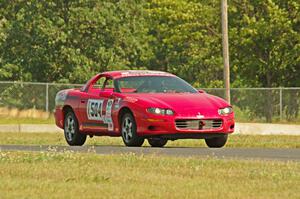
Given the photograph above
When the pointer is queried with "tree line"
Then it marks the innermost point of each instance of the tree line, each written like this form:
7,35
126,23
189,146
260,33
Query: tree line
68,41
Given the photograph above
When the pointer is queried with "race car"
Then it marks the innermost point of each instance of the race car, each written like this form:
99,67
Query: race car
139,105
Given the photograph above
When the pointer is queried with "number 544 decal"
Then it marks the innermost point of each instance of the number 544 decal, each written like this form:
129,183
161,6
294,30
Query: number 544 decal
94,109
94,112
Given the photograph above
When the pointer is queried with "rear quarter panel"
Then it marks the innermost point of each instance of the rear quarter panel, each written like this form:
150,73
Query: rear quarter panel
66,98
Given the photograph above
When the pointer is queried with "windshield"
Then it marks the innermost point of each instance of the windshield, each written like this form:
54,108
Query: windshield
153,84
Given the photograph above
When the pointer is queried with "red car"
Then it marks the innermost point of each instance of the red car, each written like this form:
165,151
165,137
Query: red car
139,105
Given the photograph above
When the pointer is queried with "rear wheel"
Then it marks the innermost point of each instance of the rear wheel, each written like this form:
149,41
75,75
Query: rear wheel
216,142
157,142
129,132
71,130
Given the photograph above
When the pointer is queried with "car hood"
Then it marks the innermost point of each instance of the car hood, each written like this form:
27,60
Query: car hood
184,104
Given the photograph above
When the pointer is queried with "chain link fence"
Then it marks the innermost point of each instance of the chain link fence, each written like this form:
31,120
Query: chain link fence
263,104
250,104
28,95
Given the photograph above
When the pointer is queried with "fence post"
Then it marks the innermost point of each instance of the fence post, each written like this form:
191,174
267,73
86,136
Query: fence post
47,97
280,101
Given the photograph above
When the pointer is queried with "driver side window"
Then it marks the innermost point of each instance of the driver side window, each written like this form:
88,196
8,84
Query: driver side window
108,84
102,84
99,83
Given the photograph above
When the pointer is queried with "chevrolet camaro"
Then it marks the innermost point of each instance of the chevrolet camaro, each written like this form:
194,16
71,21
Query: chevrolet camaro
139,105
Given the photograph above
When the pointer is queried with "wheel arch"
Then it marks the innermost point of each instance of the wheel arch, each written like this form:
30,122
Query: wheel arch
122,112
66,109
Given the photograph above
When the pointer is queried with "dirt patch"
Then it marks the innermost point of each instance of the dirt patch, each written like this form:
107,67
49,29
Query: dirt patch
28,113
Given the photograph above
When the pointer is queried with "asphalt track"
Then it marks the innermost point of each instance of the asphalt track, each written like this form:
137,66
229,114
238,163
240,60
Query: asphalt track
224,153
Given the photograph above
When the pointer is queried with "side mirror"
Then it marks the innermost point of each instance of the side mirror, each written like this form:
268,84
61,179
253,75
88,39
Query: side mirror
201,91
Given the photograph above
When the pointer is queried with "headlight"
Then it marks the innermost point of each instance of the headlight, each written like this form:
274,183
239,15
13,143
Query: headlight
225,111
160,111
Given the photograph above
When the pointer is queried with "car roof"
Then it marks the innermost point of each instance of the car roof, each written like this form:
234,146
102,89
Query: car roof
134,73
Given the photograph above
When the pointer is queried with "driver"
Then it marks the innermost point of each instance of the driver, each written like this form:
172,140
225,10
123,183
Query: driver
151,86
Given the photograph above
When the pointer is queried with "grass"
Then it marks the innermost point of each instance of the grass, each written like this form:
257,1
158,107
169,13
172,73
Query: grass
72,175
256,141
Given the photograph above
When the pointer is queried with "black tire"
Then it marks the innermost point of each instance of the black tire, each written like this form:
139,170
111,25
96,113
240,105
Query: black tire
157,142
216,142
71,130
129,132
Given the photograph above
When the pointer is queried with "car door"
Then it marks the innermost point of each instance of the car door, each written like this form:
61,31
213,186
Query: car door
92,107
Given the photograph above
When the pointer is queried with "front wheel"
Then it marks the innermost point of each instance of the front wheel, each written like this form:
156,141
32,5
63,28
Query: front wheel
129,132
71,130
157,142
216,142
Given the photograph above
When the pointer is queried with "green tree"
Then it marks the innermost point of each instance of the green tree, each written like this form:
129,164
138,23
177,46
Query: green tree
265,47
70,40
187,40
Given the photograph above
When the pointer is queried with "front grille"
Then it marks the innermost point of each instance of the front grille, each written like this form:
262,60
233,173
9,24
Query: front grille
198,124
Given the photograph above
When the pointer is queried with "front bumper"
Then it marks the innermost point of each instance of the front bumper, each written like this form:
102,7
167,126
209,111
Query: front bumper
148,127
